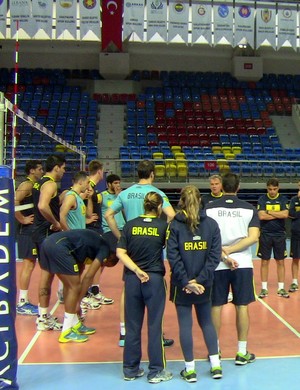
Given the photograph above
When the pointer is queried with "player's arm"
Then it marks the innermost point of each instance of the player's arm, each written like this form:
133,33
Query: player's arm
47,191
252,238
88,277
130,264
22,191
68,204
265,215
110,219
283,214
169,212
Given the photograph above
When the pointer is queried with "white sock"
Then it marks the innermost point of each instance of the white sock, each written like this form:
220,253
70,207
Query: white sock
264,285
43,311
69,321
60,285
122,328
190,366
214,361
242,347
295,281
23,296
280,285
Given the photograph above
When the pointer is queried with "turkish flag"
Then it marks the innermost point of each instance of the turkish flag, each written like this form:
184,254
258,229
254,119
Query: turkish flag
112,11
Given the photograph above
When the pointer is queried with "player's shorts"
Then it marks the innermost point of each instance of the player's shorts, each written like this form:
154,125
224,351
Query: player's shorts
111,240
267,243
26,247
295,247
242,285
56,258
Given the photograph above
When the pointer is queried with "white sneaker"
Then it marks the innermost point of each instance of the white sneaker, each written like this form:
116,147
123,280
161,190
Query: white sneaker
90,302
48,323
102,299
230,297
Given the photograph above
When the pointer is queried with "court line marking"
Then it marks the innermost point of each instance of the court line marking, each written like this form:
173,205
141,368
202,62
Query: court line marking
281,319
34,339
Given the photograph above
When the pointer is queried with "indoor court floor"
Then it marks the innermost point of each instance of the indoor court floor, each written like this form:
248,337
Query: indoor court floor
274,338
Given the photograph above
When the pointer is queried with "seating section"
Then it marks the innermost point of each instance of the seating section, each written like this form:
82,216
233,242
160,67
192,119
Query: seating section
212,117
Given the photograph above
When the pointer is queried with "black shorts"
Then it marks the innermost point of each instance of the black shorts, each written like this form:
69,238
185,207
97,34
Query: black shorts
241,283
111,240
56,259
267,243
295,248
26,247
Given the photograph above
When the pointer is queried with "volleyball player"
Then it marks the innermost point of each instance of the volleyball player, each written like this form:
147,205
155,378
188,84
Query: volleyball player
294,214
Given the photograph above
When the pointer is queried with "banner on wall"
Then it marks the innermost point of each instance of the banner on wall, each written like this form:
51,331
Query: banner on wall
66,17
287,25
42,13
178,20
244,23
156,19
223,22
201,22
89,11
133,19
266,24
20,11
111,32
3,12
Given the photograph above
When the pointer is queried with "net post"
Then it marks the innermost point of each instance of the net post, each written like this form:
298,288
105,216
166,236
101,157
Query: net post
2,110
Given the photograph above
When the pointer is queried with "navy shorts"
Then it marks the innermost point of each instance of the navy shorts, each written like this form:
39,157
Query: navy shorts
111,240
56,259
267,243
295,247
241,283
26,247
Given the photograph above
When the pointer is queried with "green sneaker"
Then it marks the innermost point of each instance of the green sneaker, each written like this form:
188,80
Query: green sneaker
282,293
293,287
241,360
69,336
82,329
189,376
263,294
216,372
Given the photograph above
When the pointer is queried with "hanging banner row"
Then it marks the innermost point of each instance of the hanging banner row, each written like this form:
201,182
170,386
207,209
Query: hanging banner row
188,21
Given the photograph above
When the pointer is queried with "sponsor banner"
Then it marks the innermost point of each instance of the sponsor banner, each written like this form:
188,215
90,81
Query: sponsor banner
287,25
223,21
244,23
178,20
20,11
112,20
8,340
66,17
3,12
201,22
42,13
156,19
265,24
89,11
133,19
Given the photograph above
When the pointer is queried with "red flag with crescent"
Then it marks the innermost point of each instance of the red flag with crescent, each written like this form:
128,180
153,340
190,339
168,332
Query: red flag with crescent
112,11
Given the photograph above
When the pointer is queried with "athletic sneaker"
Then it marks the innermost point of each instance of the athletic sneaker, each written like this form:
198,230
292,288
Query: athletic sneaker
122,340
263,293
70,336
168,342
82,329
89,302
282,293
229,297
293,287
102,299
27,308
241,360
139,374
189,376
60,296
161,376
48,323
216,372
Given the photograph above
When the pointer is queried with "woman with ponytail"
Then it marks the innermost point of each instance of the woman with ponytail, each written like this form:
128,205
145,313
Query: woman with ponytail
194,251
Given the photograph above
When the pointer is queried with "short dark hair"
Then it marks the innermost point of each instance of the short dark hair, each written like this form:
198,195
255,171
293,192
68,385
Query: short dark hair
79,176
273,181
144,169
230,182
53,160
111,178
32,164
